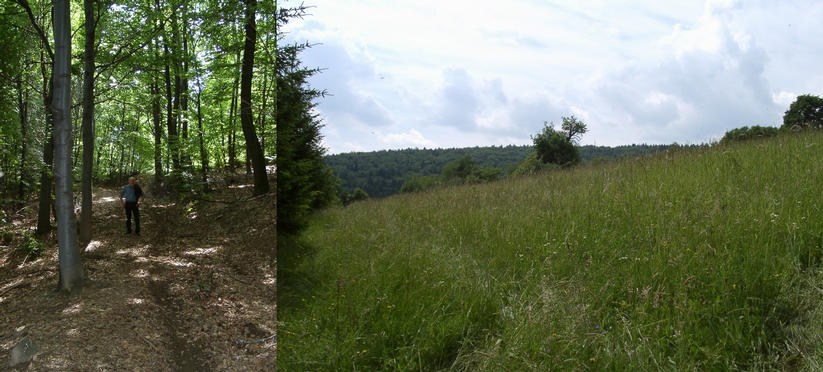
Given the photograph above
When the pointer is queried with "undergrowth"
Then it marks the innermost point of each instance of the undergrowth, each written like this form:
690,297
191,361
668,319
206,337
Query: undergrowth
700,259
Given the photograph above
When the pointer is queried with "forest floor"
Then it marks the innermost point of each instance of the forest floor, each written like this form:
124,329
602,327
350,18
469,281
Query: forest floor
195,291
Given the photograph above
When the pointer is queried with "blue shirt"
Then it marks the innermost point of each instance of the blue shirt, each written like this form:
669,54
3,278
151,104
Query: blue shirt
129,192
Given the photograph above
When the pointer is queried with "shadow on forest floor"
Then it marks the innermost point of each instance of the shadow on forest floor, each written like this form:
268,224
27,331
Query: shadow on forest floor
194,291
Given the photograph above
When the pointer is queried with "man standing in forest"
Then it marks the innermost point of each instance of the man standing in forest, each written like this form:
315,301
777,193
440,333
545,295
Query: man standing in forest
134,196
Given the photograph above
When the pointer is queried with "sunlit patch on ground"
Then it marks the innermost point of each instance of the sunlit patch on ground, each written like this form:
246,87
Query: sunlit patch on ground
72,332
193,215
170,261
106,199
229,307
93,245
201,251
139,273
269,279
136,301
163,205
134,252
239,186
74,309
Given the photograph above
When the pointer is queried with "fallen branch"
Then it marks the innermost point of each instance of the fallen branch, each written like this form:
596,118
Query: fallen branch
18,285
248,342
147,341
232,276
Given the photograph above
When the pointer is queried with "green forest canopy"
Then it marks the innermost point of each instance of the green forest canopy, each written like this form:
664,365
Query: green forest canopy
167,80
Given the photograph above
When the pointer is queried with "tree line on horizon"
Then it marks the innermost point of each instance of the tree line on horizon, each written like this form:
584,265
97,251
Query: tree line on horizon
383,173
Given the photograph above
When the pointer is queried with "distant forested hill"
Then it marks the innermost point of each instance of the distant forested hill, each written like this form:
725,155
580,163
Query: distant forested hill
381,173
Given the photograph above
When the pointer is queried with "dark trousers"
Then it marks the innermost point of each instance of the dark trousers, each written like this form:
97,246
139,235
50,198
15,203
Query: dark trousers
131,207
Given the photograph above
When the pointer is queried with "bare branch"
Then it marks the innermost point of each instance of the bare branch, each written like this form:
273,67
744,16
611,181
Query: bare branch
40,33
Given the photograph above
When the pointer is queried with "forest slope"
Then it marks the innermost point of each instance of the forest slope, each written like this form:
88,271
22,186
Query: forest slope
697,259
194,292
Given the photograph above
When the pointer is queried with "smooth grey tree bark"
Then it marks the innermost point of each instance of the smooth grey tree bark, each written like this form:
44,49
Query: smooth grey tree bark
71,269
88,124
204,157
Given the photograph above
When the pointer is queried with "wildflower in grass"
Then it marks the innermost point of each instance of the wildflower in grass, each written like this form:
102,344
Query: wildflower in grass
592,360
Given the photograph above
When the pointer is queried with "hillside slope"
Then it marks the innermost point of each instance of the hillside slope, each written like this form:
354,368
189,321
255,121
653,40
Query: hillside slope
701,259
381,173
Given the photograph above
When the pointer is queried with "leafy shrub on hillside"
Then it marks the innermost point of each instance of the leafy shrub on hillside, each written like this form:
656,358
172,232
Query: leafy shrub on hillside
532,165
461,171
746,133
359,194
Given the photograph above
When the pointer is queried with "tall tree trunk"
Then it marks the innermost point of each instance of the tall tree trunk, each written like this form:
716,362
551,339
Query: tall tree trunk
253,151
158,132
71,269
204,157
75,146
111,168
23,108
171,116
232,117
99,155
179,151
184,95
221,159
88,124
121,167
44,197
262,127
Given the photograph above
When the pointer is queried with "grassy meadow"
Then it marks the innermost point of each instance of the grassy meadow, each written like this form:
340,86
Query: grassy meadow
705,259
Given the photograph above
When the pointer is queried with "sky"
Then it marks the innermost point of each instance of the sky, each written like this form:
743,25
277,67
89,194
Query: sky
441,74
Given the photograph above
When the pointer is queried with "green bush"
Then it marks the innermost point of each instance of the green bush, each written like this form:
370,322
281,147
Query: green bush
532,165
746,133
32,247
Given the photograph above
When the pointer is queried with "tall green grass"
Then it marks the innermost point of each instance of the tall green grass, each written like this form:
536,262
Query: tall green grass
704,259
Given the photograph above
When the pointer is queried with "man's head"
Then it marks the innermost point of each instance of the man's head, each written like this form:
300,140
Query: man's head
131,181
